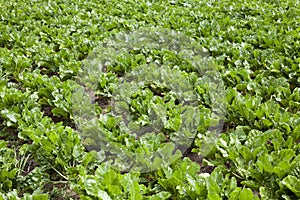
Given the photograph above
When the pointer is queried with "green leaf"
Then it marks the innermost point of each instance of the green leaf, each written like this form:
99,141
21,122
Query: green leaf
234,195
246,194
292,183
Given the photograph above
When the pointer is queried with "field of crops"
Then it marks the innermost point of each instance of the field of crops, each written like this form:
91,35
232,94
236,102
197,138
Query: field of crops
254,46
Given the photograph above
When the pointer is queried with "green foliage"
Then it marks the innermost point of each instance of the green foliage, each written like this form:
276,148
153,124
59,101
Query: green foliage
255,45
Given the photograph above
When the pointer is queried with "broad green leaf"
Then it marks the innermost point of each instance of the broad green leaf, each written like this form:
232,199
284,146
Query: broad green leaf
292,183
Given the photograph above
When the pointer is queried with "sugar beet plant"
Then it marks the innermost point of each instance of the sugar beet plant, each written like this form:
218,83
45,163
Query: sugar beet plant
254,48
